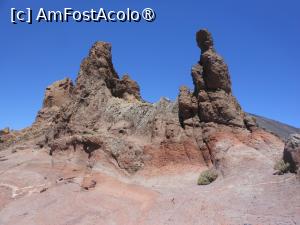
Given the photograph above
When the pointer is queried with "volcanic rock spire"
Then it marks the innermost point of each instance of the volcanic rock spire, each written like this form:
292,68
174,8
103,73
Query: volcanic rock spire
212,99
215,70
97,72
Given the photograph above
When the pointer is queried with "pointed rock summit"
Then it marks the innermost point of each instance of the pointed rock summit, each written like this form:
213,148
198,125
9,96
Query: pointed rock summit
97,72
214,69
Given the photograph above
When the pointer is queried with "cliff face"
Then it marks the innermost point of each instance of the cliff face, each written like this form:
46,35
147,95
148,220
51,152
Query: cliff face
104,115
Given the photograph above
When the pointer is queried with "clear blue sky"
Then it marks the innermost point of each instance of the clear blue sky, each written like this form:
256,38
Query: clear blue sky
259,39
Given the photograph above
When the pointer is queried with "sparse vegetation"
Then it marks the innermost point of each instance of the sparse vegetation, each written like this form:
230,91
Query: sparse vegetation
207,177
281,167
87,132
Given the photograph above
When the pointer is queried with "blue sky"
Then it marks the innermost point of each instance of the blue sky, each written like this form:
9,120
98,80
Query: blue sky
260,41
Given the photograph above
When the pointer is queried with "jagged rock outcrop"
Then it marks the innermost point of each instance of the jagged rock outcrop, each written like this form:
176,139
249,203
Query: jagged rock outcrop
212,99
291,152
97,72
90,135
104,115
103,109
56,95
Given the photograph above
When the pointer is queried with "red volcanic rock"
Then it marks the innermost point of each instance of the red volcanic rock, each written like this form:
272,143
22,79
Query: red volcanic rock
166,153
97,72
140,161
58,93
105,118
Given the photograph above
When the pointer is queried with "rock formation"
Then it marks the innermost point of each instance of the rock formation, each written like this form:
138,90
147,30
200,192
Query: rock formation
126,161
291,152
56,95
212,99
105,116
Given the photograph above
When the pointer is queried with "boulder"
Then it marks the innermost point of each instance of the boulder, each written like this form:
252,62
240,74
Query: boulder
291,152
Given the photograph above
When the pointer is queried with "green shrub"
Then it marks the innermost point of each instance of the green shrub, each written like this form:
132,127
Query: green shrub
282,167
207,177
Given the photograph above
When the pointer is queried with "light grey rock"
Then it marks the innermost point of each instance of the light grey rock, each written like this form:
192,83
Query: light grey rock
291,152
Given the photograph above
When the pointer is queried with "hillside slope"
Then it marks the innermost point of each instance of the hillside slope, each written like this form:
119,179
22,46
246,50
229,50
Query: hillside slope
280,129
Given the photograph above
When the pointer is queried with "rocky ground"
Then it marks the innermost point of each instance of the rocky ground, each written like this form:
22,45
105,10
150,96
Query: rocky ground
99,154
40,189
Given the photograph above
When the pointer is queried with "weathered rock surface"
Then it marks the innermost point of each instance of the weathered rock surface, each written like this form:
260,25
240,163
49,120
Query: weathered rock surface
214,69
104,115
97,141
56,95
291,152
212,99
36,188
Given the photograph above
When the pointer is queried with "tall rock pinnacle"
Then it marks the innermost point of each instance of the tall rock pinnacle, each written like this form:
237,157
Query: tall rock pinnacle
215,70
96,68
212,89
98,73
